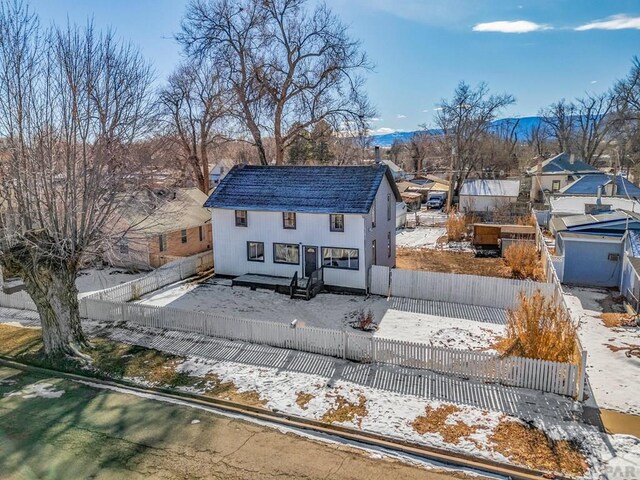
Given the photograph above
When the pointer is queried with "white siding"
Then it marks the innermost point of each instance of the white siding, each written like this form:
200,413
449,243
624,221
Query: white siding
484,203
312,229
383,227
230,244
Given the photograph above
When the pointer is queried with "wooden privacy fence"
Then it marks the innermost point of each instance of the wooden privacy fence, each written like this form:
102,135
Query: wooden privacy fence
166,275
554,377
20,300
453,288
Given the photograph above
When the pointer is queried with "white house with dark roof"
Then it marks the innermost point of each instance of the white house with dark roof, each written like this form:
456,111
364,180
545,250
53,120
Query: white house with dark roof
279,221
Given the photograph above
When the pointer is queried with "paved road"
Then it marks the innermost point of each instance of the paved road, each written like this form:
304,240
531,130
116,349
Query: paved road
56,429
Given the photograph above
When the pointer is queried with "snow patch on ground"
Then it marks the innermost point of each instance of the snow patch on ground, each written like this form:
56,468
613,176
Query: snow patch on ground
420,237
37,390
392,414
93,279
218,297
451,333
612,375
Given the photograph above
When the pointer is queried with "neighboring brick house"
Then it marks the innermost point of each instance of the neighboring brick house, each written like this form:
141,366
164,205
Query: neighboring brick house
179,226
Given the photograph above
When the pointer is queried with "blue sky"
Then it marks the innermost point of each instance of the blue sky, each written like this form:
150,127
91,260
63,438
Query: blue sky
538,50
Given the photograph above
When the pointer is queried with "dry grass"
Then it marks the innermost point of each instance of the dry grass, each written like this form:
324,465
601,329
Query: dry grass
614,319
118,360
528,220
450,262
347,411
17,341
456,226
538,328
522,258
435,421
531,447
303,399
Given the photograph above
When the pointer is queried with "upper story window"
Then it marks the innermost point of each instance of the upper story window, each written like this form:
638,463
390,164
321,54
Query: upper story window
201,232
289,220
336,222
183,236
389,244
373,214
162,242
241,218
389,207
555,186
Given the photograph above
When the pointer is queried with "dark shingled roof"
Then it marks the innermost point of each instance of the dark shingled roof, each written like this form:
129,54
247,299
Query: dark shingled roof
326,189
588,185
562,163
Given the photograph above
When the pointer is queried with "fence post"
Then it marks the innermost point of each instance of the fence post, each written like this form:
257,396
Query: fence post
345,341
582,376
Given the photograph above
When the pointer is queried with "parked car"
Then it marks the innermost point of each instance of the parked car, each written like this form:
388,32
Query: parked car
435,202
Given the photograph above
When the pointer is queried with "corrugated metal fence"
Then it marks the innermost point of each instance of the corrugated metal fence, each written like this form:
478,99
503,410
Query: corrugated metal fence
453,288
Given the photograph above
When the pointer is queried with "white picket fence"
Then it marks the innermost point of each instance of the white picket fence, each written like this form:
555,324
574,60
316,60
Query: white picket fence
165,275
453,288
541,375
111,305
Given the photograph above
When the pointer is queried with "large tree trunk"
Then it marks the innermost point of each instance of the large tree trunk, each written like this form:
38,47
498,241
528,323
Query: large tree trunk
56,297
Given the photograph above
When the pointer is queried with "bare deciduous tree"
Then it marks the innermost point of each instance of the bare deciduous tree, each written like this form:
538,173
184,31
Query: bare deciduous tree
289,66
465,121
71,103
582,127
194,105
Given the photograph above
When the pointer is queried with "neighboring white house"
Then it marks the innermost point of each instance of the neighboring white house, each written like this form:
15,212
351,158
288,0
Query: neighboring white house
279,220
488,195
219,170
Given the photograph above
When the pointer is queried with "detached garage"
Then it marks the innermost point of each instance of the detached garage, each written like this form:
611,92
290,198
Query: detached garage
488,195
590,260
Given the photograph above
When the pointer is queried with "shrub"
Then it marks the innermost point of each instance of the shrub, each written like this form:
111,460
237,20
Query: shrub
528,220
539,328
456,226
364,321
522,259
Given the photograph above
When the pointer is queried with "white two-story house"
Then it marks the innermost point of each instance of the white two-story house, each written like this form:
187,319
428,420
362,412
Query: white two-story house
279,220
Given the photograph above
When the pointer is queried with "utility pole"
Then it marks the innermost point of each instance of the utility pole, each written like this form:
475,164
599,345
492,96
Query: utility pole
450,194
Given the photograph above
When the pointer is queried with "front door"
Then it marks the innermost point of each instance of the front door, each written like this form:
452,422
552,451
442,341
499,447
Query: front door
310,260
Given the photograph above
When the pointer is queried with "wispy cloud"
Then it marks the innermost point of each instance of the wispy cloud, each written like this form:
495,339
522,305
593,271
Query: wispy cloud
615,22
593,82
376,119
515,26
401,116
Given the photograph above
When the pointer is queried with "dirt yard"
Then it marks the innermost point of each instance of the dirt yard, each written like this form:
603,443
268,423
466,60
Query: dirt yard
451,262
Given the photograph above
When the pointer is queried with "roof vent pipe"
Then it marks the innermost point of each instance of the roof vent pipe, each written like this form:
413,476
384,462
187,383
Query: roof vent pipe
572,159
377,149
599,199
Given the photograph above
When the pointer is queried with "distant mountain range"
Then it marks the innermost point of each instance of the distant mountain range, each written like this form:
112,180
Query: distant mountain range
523,130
